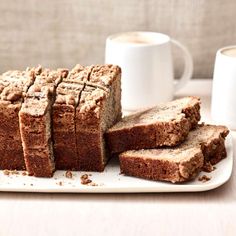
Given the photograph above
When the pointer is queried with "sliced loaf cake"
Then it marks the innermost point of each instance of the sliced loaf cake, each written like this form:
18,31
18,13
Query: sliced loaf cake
13,86
181,163
163,125
35,123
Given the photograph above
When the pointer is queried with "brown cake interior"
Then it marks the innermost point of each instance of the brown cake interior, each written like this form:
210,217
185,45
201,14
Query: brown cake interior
35,124
13,85
164,125
64,133
181,163
70,115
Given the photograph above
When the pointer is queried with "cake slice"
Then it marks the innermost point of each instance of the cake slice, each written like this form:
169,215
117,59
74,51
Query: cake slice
91,122
64,131
35,123
181,163
109,77
106,77
164,125
99,108
13,86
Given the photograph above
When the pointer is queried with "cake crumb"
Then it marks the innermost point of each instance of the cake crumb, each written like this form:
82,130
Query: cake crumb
92,184
208,167
69,174
85,179
10,172
24,173
15,172
204,178
6,172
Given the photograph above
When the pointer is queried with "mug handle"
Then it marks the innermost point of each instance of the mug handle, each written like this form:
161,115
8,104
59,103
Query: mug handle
188,68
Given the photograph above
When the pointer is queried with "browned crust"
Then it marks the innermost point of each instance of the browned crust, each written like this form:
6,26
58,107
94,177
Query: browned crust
11,152
154,135
37,146
211,151
38,164
214,151
192,113
12,159
64,137
12,94
91,151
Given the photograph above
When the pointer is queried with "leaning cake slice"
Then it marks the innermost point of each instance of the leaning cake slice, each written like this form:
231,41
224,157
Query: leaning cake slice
181,163
164,125
35,123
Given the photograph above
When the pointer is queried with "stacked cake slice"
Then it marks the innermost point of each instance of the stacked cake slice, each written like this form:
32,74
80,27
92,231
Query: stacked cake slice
180,163
166,142
163,125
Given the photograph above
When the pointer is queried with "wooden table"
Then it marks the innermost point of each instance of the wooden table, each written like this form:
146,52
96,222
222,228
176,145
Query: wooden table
206,213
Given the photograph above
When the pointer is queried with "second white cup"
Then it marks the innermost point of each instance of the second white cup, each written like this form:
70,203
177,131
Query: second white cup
147,71
224,85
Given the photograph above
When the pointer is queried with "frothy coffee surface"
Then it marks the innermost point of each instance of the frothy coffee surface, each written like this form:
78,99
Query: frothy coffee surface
135,38
230,52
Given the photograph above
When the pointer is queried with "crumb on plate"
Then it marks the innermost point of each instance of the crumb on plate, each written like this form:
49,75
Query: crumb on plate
69,174
204,178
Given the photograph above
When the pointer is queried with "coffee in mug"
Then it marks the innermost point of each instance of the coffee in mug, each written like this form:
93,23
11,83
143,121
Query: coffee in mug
135,38
230,52
145,59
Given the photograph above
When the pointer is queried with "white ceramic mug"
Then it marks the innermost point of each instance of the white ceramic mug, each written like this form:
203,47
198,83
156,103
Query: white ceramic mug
147,71
223,108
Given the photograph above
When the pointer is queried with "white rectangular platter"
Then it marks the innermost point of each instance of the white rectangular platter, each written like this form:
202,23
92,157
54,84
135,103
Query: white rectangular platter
111,181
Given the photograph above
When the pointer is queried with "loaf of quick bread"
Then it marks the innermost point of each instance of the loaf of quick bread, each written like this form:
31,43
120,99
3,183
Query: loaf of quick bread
57,119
